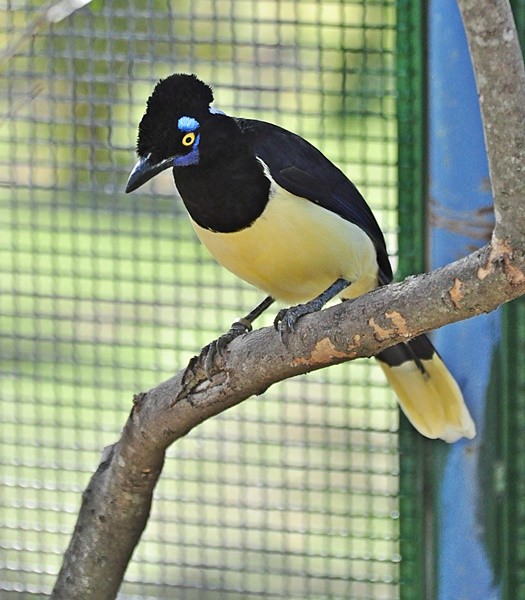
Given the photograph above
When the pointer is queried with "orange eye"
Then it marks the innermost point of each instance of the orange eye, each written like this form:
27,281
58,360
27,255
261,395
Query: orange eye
188,139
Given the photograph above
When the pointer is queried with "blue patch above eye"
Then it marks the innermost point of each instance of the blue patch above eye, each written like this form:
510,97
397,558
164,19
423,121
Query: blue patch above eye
187,124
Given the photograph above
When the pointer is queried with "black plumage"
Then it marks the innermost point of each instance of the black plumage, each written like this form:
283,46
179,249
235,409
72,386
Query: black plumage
303,170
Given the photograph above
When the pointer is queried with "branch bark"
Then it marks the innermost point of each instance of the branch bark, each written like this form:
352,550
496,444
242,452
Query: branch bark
116,504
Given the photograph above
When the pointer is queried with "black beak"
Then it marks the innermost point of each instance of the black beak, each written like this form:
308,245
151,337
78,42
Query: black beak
144,170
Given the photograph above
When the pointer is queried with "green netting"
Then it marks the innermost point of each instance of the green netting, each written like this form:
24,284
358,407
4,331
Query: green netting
411,80
291,495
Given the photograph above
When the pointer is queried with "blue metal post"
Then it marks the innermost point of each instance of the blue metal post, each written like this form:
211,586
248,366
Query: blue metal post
460,202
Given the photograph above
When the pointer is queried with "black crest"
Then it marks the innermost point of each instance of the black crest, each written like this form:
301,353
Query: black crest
176,96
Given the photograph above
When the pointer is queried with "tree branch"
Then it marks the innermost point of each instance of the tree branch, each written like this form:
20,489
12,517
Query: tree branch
117,501
500,78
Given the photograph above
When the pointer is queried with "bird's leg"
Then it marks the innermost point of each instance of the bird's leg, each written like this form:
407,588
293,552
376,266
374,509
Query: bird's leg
286,318
239,327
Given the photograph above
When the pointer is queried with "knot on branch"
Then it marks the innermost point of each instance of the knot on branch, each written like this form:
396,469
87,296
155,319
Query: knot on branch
504,258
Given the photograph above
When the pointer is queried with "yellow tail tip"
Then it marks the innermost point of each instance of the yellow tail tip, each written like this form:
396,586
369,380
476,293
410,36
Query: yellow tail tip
433,403
452,433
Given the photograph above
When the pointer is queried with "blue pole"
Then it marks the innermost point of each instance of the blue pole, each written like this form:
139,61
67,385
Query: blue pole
460,202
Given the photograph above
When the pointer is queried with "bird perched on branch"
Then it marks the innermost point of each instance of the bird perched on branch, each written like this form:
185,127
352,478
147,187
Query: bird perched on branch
277,213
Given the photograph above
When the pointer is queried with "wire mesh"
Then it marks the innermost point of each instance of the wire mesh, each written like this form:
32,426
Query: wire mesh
290,495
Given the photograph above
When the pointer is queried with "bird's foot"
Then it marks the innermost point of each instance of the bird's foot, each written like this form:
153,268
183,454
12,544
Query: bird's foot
213,354
286,318
210,360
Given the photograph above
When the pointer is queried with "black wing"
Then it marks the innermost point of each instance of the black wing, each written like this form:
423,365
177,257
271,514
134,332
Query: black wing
301,169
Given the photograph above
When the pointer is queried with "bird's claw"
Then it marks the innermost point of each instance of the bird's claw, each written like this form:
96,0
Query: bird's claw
208,362
214,353
287,318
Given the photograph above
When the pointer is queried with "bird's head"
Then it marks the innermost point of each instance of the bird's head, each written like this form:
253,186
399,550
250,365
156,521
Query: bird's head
170,130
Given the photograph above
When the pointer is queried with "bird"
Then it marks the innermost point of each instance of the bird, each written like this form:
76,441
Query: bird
275,211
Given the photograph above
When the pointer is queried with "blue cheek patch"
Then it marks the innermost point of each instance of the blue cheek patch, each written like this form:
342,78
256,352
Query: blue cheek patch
187,124
192,158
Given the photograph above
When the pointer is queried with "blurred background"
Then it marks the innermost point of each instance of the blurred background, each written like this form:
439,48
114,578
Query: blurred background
294,494
290,495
